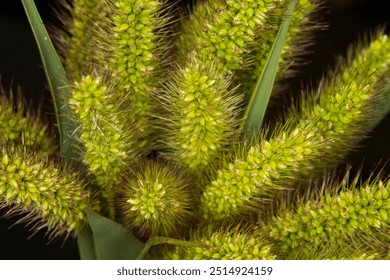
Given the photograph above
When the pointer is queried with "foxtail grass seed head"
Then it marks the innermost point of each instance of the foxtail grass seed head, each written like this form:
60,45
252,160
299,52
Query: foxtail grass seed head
106,135
101,132
18,126
223,30
201,114
325,130
34,186
223,243
296,41
154,108
81,46
157,199
137,56
334,218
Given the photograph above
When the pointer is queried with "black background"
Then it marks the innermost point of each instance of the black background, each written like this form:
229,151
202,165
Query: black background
20,65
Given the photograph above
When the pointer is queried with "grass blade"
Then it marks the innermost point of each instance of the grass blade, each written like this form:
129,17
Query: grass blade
112,242
86,244
258,103
57,80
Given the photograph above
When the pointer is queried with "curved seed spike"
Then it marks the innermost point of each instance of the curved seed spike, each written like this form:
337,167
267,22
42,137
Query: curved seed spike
107,137
315,138
18,126
335,219
80,48
137,56
224,243
223,31
52,198
201,115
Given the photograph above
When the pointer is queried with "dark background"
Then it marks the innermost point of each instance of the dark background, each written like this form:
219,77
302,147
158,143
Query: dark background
20,65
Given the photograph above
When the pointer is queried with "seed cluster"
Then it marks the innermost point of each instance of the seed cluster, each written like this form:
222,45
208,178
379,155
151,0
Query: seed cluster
17,126
203,114
101,131
53,198
320,137
224,243
223,30
333,218
156,200
136,58
165,154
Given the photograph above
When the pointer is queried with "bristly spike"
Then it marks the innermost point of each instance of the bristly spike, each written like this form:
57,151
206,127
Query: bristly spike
223,31
137,46
157,199
355,213
106,136
19,125
224,242
296,41
81,47
317,137
32,184
202,114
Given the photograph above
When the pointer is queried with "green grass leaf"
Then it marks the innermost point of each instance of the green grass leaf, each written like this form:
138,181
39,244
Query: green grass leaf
86,244
58,83
112,241
258,102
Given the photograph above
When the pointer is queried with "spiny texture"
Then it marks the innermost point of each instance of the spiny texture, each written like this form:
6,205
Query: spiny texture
115,59
135,58
30,183
223,30
157,199
202,115
202,111
224,243
127,38
334,218
296,39
105,135
17,126
325,130
79,49
101,132
353,250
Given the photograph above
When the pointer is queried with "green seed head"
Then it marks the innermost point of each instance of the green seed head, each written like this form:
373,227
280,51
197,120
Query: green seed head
296,42
317,137
157,199
335,218
104,135
18,126
202,114
224,243
223,30
31,184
